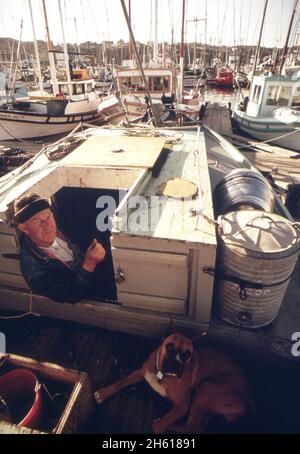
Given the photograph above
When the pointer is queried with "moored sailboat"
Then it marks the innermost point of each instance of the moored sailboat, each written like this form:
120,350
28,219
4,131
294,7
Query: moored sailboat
71,101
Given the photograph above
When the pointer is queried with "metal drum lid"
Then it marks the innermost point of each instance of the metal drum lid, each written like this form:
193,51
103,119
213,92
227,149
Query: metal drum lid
259,234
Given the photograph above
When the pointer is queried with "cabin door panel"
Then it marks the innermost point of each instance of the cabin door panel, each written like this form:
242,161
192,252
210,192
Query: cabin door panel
151,273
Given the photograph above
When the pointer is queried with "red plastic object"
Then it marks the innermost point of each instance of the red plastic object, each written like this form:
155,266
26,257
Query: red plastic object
21,390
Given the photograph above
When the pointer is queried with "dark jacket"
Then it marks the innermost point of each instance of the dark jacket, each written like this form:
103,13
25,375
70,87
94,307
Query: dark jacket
51,277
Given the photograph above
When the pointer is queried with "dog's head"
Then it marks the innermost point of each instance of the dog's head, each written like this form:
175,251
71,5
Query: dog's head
174,353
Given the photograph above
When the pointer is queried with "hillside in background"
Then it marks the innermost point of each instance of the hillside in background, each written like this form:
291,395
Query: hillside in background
105,52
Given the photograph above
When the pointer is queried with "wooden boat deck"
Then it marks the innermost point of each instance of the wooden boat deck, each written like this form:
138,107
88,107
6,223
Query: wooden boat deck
109,355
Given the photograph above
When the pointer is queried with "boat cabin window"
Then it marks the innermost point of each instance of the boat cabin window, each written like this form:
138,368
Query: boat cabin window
135,84
256,94
296,97
278,96
78,89
89,88
159,83
131,84
63,88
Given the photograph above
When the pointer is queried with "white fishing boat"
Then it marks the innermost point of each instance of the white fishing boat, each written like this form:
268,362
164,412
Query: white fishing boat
130,104
260,115
72,100
46,115
165,189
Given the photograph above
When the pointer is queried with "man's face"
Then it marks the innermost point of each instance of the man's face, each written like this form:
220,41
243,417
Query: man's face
40,228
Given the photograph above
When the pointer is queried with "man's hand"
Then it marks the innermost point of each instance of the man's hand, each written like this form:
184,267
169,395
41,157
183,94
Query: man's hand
95,254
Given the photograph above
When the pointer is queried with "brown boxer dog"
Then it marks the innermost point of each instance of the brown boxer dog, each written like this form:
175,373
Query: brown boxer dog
198,382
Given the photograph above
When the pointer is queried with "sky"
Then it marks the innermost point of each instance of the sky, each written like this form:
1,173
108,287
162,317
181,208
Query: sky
228,22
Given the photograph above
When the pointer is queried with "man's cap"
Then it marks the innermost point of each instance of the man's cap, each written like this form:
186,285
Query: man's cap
28,205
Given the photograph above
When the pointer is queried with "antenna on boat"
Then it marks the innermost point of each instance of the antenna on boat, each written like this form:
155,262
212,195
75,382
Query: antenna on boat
259,39
139,61
284,52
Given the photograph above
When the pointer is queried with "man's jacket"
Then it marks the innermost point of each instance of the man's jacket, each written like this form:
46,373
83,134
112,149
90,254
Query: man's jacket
50,277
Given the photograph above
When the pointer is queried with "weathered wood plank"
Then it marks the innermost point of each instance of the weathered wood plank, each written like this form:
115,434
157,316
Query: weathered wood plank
100,151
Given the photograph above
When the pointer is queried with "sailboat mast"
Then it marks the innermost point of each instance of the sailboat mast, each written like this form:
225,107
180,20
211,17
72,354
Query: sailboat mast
50,53
36,50
66,55
130,44
138,60
205,35
78,45
284,52
259,39
181,61
155,32
12,88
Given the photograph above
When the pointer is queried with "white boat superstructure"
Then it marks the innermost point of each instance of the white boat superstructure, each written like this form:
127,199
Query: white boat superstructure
130,104
43,114
259,115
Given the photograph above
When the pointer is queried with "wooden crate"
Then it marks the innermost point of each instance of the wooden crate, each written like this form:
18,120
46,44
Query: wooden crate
80,401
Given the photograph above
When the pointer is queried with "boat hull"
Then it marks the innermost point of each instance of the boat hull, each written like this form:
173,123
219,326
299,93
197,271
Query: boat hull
268,129
25,125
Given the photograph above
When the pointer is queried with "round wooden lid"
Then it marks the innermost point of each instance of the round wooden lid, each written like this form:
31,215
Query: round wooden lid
178,188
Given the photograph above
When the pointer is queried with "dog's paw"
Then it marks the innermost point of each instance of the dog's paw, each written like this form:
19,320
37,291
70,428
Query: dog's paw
100,395
158,427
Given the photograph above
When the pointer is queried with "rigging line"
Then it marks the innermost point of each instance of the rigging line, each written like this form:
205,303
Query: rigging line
150,28
279,39
83,20
107,15
295,32
224,18
234,20
240,39
66,20
95,23
171,16
12,88
249,16
269,140
65,11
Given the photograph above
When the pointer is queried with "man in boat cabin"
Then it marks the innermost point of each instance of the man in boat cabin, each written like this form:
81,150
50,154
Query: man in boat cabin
51,265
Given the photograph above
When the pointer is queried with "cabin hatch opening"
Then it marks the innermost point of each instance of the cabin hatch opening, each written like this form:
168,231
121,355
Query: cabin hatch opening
80,212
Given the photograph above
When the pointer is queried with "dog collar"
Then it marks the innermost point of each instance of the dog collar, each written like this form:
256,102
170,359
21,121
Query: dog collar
159,373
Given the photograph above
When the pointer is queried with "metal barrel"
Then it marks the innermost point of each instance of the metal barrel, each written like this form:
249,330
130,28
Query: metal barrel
243,187
256,258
